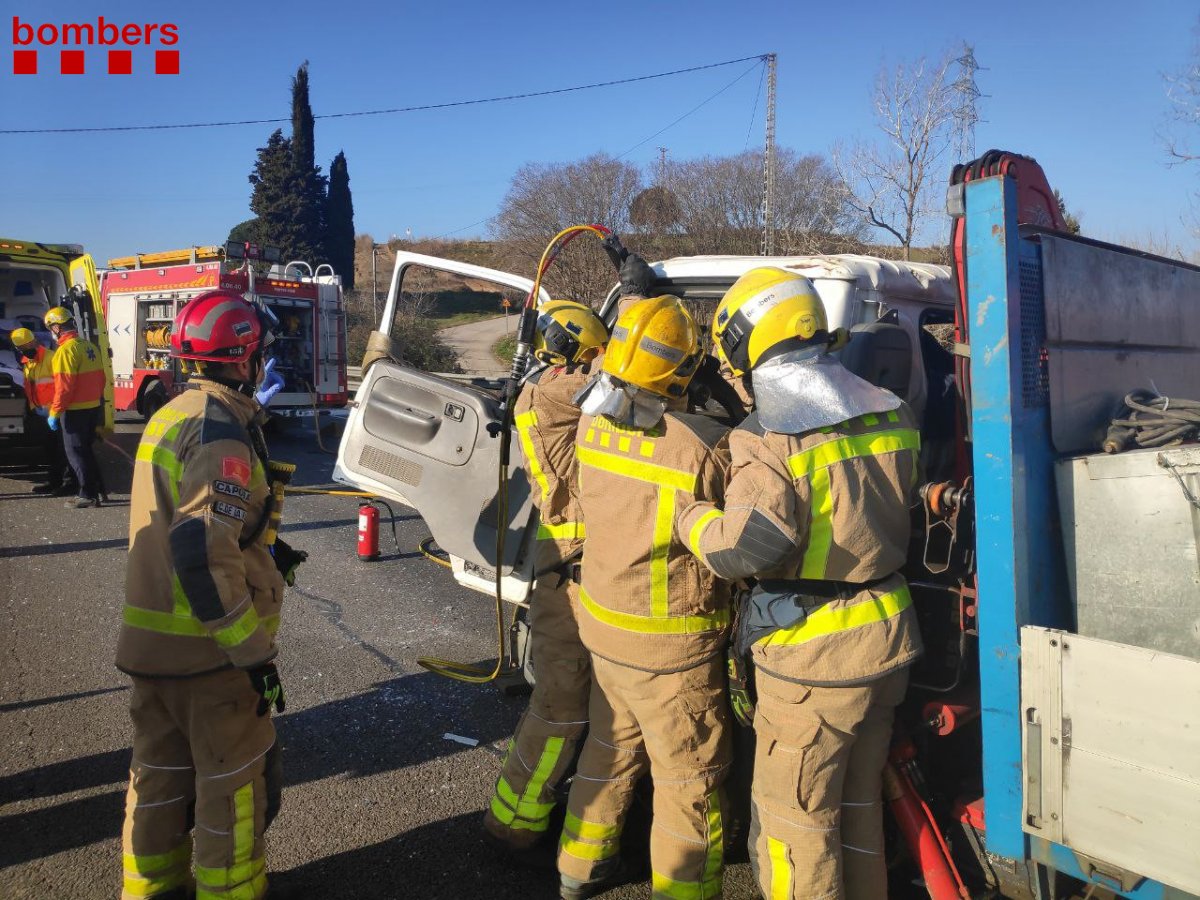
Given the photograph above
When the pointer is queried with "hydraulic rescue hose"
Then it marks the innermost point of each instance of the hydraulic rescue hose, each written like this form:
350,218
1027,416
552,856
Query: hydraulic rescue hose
526,329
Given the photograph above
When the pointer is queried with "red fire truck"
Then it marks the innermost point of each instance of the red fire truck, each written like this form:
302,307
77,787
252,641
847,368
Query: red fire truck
142,294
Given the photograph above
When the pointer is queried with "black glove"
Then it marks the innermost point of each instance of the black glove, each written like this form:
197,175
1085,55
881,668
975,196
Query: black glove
265,681
287,560
636,276
615,249
709,383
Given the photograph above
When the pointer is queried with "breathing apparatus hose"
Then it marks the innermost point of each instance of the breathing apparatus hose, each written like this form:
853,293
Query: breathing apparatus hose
526,329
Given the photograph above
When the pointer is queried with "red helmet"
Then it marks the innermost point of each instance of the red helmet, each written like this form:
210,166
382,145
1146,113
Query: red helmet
218,326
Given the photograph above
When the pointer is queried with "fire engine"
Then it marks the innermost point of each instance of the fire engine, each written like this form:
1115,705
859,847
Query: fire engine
143,293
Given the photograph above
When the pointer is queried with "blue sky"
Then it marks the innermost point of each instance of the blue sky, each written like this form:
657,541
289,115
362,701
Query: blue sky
1080,91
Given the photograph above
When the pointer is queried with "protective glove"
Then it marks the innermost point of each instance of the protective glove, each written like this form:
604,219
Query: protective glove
42,411
709,383
287,560
615,249
636,276
741,692
52,421
265,681
271,385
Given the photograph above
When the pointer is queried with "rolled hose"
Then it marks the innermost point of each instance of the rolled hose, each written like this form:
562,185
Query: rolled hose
463,671
1149,419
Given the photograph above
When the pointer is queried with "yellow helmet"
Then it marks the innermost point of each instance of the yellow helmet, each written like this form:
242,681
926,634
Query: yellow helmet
59,315
767,309
566,331
22,337
655,346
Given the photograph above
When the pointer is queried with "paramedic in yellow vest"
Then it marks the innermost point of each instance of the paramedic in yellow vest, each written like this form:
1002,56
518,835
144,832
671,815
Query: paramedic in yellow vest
202,601
816,509
76,408
568,338
37,368
654,620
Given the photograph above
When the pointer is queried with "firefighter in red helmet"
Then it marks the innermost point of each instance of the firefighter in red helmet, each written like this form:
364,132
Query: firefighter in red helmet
203,592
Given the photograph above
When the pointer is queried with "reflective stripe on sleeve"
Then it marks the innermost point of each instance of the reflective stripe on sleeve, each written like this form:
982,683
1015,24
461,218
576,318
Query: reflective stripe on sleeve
564,532
239,630
828,620
525,423
164,623
698,529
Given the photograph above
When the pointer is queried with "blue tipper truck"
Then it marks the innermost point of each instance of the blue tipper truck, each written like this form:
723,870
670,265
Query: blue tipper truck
1078,593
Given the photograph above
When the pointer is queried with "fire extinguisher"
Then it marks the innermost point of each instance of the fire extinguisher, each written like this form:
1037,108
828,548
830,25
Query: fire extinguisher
368,531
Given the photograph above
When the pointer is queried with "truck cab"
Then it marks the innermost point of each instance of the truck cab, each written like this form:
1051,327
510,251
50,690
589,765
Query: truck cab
35,277
419,438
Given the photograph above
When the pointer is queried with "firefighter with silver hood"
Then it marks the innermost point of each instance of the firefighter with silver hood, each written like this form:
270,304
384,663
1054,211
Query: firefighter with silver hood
816,511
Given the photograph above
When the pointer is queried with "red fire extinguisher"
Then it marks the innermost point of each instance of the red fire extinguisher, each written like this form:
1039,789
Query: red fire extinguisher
368,531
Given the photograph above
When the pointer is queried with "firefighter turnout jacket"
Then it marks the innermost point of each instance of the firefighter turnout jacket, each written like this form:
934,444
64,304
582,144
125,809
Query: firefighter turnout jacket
646,602
78,375
821,519
39,379
547,418
202,591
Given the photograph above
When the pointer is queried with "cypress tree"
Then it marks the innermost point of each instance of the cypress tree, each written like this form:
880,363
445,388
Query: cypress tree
310,183
339,221
277,199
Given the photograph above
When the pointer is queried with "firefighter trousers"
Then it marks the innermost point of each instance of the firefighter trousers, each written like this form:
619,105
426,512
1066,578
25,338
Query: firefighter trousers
204,763
816,829
543,747
673,726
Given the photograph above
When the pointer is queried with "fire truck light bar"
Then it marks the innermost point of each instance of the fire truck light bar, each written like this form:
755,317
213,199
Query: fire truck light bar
249,250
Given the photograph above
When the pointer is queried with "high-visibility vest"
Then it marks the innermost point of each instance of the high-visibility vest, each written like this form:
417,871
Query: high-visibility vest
39,378
78,375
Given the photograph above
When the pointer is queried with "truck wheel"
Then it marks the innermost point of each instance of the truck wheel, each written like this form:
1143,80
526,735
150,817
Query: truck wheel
152,400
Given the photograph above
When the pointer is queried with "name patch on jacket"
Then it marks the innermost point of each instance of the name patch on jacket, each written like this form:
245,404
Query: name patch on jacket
229,489
235,469
228,509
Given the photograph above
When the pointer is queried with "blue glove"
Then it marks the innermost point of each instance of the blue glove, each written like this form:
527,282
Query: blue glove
271,385
41,411
52,421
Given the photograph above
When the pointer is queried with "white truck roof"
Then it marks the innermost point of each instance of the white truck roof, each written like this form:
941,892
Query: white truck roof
925,281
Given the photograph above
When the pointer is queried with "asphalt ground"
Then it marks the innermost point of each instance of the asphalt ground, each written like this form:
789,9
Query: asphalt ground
377,802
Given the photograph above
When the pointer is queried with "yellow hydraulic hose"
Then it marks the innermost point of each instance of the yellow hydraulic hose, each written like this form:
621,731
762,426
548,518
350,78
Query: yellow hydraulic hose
463,671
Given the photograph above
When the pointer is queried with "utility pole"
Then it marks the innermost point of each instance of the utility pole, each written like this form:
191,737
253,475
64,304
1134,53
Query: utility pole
662,166
966,113
374,286
768,203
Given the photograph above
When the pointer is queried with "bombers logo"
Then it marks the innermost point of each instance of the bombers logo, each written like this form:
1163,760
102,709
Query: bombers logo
29,37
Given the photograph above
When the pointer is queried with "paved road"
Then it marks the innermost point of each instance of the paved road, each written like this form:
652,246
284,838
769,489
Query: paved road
377,804
473,342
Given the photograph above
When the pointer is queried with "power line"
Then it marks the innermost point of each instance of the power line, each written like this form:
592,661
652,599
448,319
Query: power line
386,112
754,112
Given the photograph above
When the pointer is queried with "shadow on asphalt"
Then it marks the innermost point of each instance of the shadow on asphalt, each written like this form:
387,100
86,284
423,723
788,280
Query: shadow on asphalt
396,724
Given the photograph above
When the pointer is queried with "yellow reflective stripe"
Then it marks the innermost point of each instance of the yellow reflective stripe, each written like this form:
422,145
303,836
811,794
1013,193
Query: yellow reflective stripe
670,889
165,459
182,606
243,821
525,422
829,620
624,444
651,625
142,865
781,870
641,471
698,529
253,888
806,462
660,553
592,852
820,526
270,624
646,449
529,807
164,623
239,630
148,875
715,862
246,879
605,439
893,416
592,831
565,531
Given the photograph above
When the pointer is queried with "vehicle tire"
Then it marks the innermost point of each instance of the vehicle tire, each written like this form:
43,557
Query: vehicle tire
153,398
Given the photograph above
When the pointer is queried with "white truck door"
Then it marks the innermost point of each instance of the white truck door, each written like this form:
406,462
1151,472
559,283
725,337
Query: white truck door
432,442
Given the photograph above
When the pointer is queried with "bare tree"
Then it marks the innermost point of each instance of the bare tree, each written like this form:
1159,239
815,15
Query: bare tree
892,182
720,201
1182,138
545,198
